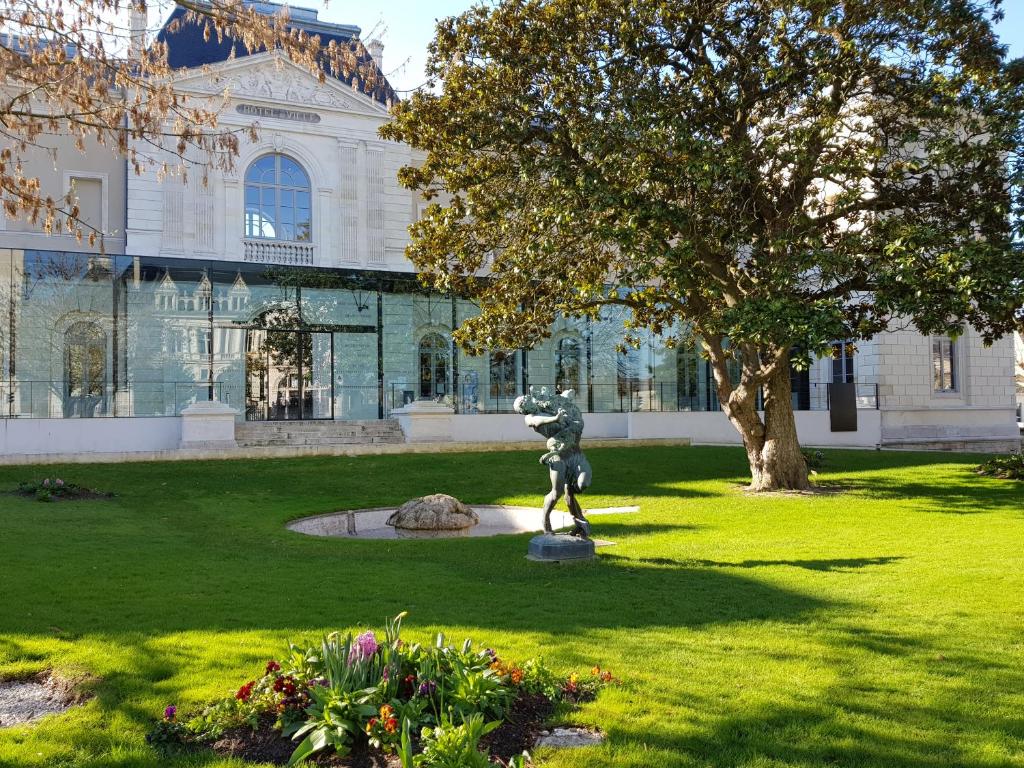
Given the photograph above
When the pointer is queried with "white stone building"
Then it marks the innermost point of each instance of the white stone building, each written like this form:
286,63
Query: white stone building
282,291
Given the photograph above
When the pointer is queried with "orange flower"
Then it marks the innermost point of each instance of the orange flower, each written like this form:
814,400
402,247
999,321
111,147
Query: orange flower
606,677
386,711
595,671
517,676
391,726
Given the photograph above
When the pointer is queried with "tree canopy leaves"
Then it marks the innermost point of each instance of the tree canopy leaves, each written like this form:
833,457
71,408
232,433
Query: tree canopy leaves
780,173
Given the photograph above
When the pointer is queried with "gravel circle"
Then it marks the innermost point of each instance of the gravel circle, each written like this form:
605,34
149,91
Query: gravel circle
24,701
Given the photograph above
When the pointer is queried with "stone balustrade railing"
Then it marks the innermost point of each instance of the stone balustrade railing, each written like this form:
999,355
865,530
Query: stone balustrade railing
278,252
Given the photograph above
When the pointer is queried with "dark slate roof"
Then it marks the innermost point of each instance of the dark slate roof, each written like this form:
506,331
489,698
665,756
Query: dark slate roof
187,48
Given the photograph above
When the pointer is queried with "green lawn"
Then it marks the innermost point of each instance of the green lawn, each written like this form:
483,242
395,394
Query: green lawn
881,626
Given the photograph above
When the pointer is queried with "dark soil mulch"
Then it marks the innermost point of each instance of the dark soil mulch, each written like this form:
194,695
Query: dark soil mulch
267,745
519,732
522,725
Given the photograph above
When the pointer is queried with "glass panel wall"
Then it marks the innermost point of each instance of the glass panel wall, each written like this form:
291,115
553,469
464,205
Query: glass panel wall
84,336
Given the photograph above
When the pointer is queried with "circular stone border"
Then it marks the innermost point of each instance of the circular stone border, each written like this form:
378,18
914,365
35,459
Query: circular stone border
495,520
25,700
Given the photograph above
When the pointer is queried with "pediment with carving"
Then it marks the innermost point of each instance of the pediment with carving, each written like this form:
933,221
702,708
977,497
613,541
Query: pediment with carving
267,77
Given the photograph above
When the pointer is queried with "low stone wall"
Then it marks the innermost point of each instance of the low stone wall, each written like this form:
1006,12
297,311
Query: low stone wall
87,437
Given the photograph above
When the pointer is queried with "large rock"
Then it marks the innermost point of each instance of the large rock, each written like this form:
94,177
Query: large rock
437,512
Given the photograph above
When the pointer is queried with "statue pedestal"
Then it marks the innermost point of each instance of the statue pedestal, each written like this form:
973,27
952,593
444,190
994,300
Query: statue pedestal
558,548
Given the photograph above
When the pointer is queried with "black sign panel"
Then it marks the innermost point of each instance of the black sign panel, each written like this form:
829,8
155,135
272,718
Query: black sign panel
842,406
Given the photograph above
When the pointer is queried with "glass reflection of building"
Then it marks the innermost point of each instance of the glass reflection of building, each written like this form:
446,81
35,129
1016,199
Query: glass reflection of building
87,336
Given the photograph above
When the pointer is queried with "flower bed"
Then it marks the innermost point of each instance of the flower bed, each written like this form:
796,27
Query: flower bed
359,701
55,489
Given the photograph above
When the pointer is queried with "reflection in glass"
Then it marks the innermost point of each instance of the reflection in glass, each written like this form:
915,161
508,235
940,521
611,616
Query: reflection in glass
433,353
85,358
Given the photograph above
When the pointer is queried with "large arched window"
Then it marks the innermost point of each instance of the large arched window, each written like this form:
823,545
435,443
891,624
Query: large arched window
433,351
567,365
85,364
277,200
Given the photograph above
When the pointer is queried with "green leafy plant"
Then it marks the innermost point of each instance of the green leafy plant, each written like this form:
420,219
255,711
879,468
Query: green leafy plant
814,460
455,746
1010,467
336,717
472,690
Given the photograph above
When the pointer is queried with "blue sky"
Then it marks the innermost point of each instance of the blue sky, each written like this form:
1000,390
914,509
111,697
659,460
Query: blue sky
406,26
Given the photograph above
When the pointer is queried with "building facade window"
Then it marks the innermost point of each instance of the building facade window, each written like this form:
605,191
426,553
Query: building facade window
567,365
433,354
277,200
843,362
945,376
503,375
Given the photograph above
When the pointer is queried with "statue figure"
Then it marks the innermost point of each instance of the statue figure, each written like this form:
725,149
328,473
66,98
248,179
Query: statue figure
559,419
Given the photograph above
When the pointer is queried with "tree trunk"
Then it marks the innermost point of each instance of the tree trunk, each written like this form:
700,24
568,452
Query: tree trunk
773,450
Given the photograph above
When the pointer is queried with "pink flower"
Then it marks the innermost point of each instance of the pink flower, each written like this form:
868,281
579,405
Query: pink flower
59,483
46,483
364,647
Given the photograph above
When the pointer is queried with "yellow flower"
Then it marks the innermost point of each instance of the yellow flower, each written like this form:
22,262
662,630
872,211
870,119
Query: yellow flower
387,710
595,671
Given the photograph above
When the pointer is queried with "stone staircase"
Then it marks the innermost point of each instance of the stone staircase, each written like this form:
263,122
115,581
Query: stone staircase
317,434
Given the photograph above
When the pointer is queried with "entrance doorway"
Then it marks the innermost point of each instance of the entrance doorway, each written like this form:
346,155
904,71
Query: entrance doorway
289,375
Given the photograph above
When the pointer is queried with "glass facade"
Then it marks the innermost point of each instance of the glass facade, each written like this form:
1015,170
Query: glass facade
85,336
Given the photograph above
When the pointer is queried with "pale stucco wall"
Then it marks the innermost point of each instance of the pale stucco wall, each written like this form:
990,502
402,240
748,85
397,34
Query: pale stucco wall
54,163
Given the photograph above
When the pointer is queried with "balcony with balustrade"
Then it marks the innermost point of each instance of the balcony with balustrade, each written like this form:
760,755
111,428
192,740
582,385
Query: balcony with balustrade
288,253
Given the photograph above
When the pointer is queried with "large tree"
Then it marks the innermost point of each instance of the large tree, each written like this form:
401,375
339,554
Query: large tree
768,175
87,69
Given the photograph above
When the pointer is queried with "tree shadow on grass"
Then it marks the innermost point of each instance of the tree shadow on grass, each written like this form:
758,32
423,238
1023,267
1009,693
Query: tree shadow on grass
832,564
960,492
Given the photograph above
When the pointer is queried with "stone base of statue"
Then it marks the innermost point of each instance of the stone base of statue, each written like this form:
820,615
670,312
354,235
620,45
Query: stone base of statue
559,548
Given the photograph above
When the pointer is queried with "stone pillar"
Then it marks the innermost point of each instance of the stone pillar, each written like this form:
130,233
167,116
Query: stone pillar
208,424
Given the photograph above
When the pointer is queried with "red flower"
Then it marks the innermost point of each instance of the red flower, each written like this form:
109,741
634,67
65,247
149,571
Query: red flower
273,666
245,692
391,726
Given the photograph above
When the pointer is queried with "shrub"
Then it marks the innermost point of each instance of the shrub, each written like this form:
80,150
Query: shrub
1010,467
815,460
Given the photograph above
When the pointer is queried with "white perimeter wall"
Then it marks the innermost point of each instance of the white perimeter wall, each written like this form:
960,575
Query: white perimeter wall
698,426
21,437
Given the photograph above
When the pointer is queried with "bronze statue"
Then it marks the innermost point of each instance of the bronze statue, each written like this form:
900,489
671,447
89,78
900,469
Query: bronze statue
559,419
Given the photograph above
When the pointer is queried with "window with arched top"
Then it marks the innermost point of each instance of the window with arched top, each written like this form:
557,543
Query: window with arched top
85,364
433,353
277,200
567,365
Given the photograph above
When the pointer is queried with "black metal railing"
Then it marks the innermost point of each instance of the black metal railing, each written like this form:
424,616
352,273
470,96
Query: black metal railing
55,399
